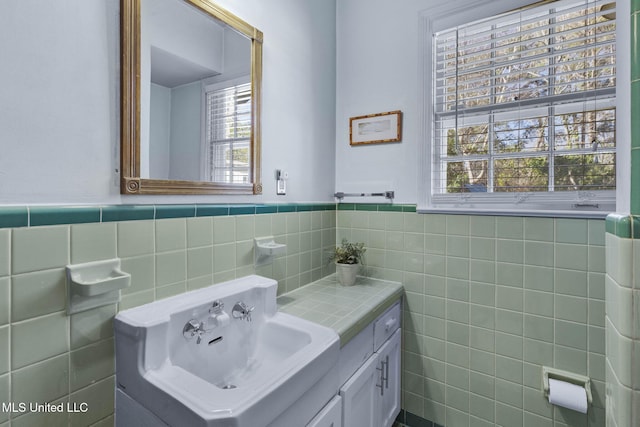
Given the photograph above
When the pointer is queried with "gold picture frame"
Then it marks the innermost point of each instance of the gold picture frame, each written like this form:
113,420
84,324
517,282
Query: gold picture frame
376,128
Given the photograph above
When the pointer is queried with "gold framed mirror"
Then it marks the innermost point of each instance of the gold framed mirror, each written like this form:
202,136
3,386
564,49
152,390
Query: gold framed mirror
190,99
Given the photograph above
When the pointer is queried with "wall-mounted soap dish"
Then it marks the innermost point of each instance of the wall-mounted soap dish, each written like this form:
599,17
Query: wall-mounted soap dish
94,284
265,249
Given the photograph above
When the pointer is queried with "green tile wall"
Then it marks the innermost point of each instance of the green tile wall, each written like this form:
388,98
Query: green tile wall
47,356
622,287
635,108
489,301
622,320
622,317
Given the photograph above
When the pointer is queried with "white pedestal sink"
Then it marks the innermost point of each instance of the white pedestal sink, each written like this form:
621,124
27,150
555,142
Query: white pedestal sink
273,370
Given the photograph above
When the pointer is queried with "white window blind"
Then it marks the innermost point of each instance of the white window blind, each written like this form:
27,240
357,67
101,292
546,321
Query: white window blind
228,133
524,106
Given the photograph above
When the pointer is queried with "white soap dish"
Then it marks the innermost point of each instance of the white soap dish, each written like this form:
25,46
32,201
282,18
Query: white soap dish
94,284
265,249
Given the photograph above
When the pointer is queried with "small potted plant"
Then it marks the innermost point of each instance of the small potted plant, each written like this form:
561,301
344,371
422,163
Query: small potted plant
348,258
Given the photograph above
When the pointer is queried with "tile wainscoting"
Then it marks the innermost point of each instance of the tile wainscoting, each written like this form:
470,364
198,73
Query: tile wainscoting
623,320
47,356
489,301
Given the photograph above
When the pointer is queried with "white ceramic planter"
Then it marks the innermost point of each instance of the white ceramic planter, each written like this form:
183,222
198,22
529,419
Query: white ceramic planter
346,273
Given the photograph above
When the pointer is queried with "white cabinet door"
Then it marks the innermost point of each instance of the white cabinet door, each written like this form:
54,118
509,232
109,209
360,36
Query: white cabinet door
389,396
330,416
360,404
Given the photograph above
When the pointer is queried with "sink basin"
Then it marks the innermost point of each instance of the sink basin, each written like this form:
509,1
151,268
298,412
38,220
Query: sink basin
275,369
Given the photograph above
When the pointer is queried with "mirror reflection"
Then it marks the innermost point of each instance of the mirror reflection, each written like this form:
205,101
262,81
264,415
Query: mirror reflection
197,129
196,87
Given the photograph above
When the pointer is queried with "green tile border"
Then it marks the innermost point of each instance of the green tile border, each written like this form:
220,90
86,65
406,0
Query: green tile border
366,207
14,217
390,208
346,206
409,419
242,210
375,207
212,210
175,211
635,226
635,174
286,208
25,216
127,213
45,215
266,209
305,208
619,225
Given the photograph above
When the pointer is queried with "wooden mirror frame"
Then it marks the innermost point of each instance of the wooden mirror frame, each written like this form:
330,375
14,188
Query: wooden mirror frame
130,180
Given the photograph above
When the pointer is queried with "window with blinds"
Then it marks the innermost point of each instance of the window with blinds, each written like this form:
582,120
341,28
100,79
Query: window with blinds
525,102
228,134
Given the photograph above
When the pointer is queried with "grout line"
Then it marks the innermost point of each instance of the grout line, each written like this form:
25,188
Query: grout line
9,327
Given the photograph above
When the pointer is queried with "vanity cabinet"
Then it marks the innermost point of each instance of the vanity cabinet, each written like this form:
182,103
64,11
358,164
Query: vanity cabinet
389,398
370,376
371,397
330,416
360,396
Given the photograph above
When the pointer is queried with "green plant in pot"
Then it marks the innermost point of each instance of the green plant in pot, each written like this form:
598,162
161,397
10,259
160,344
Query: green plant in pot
348,258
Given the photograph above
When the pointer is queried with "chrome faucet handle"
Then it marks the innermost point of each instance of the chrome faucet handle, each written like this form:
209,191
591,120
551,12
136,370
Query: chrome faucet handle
242,311
193,328
248,315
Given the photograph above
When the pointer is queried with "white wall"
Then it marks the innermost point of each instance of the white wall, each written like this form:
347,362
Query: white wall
58,101
235,62
378,70
175,124
159,131
377,63
186,129
192,36
59,104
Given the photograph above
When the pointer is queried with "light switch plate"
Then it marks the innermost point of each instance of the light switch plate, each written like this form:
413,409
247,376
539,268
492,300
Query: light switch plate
281,183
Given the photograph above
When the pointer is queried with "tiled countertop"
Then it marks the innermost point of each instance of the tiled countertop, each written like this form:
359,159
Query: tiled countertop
345,309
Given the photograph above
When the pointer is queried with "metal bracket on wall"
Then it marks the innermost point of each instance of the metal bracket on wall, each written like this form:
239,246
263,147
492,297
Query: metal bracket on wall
386,194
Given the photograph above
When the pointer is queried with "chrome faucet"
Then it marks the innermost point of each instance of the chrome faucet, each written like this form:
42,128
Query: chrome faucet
217,307
242,311
196,328
193,328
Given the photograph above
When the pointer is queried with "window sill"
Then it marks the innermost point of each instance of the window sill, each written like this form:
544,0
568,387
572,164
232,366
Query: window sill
516,212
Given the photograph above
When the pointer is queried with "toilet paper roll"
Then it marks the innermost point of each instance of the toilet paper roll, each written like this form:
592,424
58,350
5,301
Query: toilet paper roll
567,395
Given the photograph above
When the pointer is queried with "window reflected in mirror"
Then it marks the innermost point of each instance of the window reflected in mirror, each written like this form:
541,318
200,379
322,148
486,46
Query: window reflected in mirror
228,132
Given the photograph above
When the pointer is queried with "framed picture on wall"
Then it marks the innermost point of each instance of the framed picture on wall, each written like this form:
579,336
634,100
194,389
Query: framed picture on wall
376,128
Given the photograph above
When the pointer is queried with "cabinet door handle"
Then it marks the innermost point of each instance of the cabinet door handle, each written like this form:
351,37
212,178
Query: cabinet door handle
381,385
386,372
390,324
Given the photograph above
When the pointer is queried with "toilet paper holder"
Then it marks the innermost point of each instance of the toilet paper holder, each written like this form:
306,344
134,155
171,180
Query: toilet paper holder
570,377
